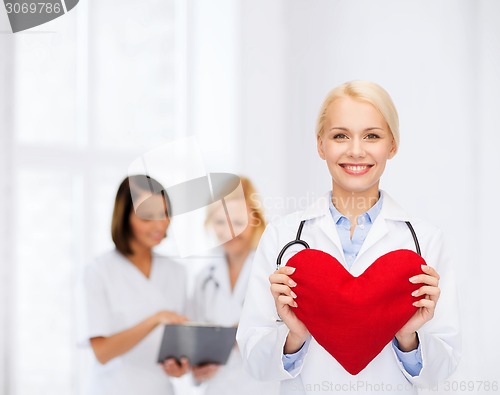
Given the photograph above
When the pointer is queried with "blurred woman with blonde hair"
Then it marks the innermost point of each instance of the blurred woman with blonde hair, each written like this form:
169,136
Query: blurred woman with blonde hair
220,288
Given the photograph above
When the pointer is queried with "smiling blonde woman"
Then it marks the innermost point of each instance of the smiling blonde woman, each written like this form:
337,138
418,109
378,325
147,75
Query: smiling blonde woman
355,223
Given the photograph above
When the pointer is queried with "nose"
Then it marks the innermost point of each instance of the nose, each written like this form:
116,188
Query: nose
356,149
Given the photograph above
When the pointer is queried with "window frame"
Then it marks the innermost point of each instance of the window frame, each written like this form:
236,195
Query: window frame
83,158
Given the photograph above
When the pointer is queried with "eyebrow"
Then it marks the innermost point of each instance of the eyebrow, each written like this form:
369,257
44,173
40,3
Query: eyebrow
347,130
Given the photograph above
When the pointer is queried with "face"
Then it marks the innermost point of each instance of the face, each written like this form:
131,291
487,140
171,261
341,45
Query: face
240,218
356,144
149,225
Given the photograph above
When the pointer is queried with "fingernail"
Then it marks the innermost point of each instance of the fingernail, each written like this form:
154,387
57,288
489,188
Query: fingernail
293,294
414,304
414,293
290,270
295,304
412,280
424,267
292,283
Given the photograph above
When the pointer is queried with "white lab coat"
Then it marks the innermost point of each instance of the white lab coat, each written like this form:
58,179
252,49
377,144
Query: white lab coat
215,302
114,295
261,337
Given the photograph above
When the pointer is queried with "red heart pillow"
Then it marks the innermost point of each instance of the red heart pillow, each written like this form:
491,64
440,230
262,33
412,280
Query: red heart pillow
354,318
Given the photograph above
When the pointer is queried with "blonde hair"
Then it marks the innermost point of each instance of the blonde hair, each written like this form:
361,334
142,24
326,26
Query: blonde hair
256,218
365,91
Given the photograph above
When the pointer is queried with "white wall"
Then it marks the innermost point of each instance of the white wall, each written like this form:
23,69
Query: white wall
6,196
214,81
264,108
481,273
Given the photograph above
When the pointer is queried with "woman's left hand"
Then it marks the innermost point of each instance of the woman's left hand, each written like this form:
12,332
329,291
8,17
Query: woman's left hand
174,368
406,336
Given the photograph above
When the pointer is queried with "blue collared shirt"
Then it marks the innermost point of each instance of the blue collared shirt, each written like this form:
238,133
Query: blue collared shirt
412,360
352,246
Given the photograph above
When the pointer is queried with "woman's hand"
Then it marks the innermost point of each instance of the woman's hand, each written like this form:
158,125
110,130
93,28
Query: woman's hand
174,368
169,317
406,336
205,372
107,348
284,299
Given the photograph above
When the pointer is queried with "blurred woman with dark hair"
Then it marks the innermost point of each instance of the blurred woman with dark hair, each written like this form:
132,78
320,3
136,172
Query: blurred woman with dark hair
129,292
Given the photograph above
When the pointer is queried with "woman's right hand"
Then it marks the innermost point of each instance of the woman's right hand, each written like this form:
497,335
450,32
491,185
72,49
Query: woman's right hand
169,317
284,299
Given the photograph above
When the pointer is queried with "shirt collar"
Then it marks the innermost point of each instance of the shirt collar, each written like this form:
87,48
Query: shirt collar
370,215
390,209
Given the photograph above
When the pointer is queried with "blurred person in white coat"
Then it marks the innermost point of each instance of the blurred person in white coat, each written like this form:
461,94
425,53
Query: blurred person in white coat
127,294
356,222
221,286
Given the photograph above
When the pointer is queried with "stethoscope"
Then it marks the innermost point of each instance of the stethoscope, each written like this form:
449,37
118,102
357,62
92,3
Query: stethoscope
306,246
210,287
210,279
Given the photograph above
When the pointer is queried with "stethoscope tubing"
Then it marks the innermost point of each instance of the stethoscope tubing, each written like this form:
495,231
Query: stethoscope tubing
291,243
305,245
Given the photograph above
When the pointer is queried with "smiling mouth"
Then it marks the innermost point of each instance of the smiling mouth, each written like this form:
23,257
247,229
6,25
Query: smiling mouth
356,169
156,236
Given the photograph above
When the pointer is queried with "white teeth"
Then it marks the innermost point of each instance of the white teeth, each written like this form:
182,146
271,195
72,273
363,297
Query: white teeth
356,168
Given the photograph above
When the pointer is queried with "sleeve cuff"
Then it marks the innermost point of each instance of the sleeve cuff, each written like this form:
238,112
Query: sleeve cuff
293,362
411,360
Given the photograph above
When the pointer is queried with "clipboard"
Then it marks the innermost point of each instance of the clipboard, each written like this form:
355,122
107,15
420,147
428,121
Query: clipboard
200,344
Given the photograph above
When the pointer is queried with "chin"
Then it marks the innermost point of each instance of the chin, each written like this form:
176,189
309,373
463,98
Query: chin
357,187
154,243
233,246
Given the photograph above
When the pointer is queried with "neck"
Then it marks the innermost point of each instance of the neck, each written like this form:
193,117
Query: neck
141,256
235,262
237,259
352,204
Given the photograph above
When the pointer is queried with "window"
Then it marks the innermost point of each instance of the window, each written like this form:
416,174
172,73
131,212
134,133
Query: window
89,96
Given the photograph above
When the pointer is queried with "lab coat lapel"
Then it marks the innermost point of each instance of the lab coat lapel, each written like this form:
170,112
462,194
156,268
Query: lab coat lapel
319,213
327,225
378,230
390,211
242,281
